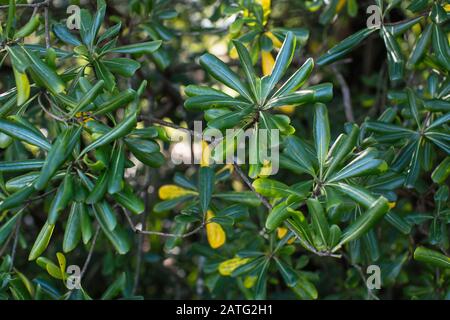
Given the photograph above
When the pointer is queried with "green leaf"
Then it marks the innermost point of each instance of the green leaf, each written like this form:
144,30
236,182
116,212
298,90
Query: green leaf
297,79
85,223
127,199
319,221
122,129
19,131
273,188
65,35
441,47
45,75
432,257
123,66
41,242
62,198
206,179
117,236
117,169
282,62
321,133
246,62
87,98
364,222
363,165
205,102
343,150
395,59
8,226
58,154
17,199
442,171
421,46
72,233
116,102
138,48
287,272
320,93
344,47
99,190
221,72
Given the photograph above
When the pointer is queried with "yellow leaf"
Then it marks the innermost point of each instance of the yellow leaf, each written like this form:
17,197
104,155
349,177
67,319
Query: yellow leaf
171,191
206,155
62,264
250,281
276,43
288,109
340,5
214,232
392,205
267,62
447,7
281,232
54,271
233,53
23,87
227,267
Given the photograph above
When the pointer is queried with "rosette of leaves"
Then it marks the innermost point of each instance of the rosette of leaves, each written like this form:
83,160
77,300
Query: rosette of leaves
257,97
421,135
254,267
391,32
252,28
333,180
99,50
201,202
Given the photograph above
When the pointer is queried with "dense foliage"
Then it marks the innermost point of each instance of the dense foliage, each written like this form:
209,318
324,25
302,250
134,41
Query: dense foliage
91,121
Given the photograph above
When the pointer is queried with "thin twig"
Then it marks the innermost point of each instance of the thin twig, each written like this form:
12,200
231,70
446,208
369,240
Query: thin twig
370,294
16,240
264,201
347,99
91,250
47,28
28,5
163,234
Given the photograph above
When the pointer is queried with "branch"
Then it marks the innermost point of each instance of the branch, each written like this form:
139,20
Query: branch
347,99
28,5
163,234
91,250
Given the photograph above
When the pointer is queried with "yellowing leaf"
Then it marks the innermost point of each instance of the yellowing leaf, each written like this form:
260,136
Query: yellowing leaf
62,264
233,53
267,62
171,191
214,232
250,281
392,205
447,7
23,87
54,271
227,267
